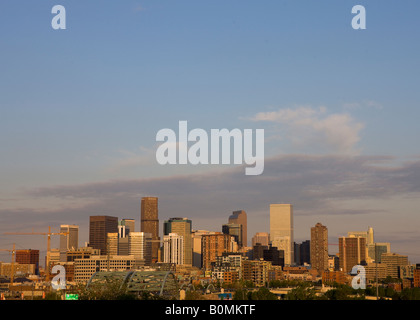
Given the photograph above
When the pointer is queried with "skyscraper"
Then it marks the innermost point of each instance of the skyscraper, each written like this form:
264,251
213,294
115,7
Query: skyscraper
150,223
352,252
214,245
99,227
182,227
239,217
140,247
125,226
319,248
303,252
234,230
129,224
196,246
368,235
173,248
375,250
281,230
112,243
30,256
262,238
69,241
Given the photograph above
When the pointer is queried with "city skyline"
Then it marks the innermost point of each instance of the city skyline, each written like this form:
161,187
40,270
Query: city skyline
80,109
286,209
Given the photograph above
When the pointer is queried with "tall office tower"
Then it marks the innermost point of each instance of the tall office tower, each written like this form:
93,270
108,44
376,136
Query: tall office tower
274,255
123,231
319,248
112,243
150,223
196,246
239,217
99,227
140,246
129,224
173,248
281,230
123,246
375,250
352,251
29,256
262,238
52,258
234,230
214,245
368,235
182,227
258,251
302,252
125,226
370,238
69,241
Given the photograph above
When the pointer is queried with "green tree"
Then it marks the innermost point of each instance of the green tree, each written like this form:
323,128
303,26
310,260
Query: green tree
410,294
240,294
110,289
193,295
263,294
301,293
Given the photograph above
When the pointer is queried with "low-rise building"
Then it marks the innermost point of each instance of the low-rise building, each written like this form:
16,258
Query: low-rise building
85,268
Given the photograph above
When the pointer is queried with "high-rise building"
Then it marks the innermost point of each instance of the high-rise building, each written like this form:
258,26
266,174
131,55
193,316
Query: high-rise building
375,250
112,243
370,238
352,252
99,227
123,246
234,230
173,248
274,255
319,248
258,251
239,217
140,246
262,238
69,241
302,252
129,225
52,257
368,235
214,245
281,230
150,223
29,256
182,227
196,246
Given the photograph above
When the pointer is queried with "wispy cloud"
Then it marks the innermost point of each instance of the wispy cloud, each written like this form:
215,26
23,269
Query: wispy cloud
363,104
308,126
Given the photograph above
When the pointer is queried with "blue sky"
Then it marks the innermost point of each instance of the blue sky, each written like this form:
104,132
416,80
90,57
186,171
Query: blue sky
80,108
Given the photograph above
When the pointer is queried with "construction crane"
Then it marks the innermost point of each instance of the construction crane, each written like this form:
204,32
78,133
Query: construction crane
12,273
48,234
